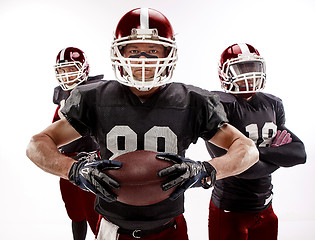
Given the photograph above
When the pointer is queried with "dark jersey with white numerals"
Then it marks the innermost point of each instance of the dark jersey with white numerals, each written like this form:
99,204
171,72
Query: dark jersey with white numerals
84,144
169,121
259,119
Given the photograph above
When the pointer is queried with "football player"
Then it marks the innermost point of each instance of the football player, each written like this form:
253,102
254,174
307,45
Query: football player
142,111
72,69
241,206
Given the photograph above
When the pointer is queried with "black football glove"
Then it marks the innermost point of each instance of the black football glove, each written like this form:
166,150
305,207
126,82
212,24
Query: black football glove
185,173
87,173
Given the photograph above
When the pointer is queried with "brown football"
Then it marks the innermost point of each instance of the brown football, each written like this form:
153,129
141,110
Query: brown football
139,183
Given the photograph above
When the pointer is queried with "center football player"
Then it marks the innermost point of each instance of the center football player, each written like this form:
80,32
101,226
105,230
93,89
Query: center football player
142,110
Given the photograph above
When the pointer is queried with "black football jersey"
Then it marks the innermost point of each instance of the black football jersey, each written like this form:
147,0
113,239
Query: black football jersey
169,121
258,119
84,144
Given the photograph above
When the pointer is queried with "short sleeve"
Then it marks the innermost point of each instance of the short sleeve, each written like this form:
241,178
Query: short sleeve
280,114
79,111
214,116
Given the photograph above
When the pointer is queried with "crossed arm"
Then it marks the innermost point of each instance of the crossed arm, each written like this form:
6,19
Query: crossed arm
286,155
287,150
241,152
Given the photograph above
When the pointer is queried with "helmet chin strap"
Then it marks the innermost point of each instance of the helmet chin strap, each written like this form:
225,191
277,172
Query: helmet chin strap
143,54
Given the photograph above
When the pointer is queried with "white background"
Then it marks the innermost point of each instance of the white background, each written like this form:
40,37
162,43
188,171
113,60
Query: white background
32,33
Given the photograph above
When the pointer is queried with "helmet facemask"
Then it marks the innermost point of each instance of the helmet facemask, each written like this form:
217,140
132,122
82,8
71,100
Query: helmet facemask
244,75
69,80
163,67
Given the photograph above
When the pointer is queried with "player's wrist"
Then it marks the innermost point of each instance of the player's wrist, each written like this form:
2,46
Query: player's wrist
212,173
73,172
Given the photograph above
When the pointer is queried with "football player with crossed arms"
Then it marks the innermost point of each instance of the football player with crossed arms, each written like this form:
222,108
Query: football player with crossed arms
241,206
142,110
72,69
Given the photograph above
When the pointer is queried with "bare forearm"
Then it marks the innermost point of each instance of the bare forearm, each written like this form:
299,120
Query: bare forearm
241,155
43,151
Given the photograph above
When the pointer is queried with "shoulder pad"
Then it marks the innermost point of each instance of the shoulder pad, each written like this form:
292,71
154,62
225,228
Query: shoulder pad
89,85
97,77
203,92
198,90
59,95
225,97
270,96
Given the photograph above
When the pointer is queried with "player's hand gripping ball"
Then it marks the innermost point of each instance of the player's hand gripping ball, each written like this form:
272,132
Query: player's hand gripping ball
185,173
140,184
88,174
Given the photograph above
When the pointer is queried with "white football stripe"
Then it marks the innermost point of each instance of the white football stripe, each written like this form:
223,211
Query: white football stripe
244,48
144,18
62,54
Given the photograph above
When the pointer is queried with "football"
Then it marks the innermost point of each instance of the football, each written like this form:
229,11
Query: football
139,183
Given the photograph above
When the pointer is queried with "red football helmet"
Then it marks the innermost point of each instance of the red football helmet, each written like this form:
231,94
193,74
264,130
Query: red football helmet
242,70
143,25
71,68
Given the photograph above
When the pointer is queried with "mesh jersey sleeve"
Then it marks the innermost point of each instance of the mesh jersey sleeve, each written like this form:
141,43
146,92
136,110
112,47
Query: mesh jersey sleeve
78,110
215,116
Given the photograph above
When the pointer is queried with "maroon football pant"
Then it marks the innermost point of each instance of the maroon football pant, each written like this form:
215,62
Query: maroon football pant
242,226
79,204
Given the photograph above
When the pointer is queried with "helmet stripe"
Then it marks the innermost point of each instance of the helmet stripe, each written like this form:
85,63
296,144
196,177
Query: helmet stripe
244,48
144,18
62,54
